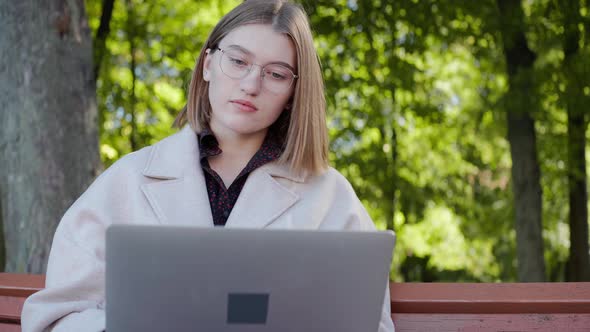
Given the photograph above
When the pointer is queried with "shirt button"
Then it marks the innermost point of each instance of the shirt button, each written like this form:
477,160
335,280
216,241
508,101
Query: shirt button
226,213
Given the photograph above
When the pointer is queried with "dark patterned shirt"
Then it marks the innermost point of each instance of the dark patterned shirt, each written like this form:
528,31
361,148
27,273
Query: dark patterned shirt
222,199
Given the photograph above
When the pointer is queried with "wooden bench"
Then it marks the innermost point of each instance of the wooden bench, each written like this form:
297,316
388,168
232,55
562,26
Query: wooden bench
14,289
553,307
420,306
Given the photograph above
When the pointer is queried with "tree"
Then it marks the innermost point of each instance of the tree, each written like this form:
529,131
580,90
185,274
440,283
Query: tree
576,76
48,123
102,33
520,103
419,97
147,65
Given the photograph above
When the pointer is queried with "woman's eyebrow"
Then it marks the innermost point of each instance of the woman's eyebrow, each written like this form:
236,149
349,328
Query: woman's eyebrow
247,52
240,48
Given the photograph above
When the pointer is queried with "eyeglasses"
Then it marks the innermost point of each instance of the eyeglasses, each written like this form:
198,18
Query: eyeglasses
276,78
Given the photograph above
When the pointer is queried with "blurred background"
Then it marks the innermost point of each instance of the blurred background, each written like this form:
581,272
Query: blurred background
462,125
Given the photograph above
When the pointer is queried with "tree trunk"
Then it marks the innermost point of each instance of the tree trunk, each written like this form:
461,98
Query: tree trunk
520,102
394,178
48,128
131,35
578,267
100,40
579,260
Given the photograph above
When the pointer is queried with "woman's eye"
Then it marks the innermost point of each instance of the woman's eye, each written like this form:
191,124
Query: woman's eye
238,62
278,76
277,73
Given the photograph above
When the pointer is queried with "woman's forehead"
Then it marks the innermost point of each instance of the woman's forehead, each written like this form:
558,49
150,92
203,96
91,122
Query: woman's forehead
262,43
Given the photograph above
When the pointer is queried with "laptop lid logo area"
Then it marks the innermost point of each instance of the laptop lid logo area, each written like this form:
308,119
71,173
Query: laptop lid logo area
247,308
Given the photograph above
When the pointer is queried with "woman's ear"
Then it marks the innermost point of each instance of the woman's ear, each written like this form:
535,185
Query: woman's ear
207,66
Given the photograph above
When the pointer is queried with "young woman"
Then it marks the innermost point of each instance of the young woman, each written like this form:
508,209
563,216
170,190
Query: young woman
252,153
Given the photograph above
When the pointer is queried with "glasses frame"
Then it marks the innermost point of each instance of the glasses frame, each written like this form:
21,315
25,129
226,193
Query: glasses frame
251,65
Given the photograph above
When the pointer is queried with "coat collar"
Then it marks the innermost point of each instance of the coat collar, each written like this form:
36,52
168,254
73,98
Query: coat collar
180,197
166,162
173,156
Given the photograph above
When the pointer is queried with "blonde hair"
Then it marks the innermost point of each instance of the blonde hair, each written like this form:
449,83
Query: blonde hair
301,129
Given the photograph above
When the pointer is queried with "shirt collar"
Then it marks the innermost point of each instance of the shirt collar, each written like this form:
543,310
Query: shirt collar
270,150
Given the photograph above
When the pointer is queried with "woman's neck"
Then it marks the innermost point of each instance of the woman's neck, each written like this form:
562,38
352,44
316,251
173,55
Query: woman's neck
237,152
239,147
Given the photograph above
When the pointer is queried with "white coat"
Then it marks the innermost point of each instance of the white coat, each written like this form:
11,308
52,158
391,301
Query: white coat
164,184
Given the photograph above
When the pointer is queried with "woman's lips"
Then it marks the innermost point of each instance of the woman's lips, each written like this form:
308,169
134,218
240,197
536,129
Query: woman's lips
244,105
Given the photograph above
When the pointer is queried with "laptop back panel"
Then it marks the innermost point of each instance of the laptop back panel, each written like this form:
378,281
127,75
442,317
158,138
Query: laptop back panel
162,278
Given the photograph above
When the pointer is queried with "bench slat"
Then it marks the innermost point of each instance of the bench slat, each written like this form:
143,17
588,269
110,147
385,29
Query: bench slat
21,285
491,322
5,327
11,308
498,298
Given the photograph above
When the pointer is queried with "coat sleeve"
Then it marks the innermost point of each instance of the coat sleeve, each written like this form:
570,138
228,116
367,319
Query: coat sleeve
386,323
347,212
74,295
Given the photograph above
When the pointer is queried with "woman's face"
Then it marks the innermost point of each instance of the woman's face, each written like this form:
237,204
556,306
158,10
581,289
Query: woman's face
247,106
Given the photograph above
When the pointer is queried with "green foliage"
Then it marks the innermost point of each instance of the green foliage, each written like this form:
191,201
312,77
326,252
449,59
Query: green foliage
166,37
416,97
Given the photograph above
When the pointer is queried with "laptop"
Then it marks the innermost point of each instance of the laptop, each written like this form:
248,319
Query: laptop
178,278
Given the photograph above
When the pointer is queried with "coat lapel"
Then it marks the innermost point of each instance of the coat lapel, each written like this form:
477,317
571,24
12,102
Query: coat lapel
178,194
263,199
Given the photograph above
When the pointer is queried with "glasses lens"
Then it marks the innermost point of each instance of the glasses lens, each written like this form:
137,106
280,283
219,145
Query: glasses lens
277,78
234,65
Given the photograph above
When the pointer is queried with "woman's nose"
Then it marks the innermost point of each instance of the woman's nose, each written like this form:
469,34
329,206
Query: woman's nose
252,83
